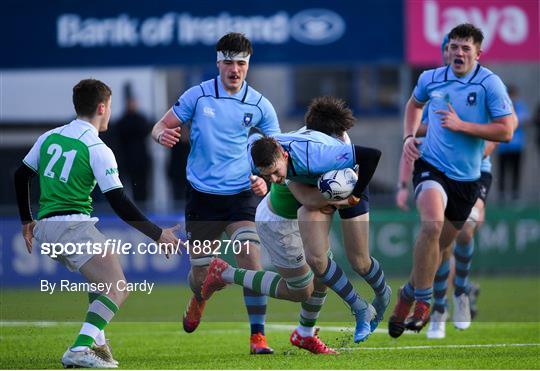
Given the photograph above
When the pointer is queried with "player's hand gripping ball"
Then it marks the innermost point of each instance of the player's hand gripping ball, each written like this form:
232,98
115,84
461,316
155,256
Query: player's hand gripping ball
337,185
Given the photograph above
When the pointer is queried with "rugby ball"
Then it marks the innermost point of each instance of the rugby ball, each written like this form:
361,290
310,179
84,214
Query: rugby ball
337,185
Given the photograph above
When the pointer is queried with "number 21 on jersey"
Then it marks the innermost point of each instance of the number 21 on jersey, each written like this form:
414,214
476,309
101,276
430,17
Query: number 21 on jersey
56,151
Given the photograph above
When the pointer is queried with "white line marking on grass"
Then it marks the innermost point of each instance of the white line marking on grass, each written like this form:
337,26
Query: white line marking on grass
444,346
34,323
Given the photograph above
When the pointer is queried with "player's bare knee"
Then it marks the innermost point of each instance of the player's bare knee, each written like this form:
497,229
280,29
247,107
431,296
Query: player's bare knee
361,265
464,237
317,264
300,288
431,229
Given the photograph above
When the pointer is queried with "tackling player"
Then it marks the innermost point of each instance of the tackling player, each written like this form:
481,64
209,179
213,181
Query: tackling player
285,156
68,161
277,225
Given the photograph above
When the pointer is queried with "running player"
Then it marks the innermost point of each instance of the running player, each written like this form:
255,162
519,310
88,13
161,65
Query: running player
445,176
219,199
68,161
465,292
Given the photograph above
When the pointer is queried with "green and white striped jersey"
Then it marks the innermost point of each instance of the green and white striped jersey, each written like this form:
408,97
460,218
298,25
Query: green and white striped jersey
69,160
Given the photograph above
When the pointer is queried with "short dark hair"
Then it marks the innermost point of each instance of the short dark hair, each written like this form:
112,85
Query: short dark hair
329,115
466,30
265,152
234,42
87,94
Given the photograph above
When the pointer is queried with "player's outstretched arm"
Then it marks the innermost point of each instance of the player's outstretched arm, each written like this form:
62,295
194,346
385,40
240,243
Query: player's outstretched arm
308,195
168,242
167,130
129,213
367,160
23,177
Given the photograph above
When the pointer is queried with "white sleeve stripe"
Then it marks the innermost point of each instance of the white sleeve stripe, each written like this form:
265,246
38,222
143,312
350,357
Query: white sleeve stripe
172,110
95,144
30,166
110,189
86,131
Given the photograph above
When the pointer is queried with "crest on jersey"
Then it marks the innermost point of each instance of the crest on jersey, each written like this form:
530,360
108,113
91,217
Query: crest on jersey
248,117
471,99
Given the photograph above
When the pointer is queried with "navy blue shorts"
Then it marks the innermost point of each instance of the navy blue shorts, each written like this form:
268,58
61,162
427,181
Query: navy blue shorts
461,195
208,214
359,209
485,185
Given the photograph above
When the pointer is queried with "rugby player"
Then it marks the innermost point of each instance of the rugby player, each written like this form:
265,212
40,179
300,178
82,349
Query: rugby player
69,160
219,198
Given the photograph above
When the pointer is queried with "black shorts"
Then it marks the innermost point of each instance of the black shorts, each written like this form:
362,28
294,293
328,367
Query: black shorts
461,195
208,214
485,185
359,209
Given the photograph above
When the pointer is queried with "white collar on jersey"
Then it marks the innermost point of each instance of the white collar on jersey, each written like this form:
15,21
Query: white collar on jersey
80,122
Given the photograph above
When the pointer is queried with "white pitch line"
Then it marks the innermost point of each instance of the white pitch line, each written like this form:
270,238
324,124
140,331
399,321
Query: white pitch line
444,346
277,327
34,323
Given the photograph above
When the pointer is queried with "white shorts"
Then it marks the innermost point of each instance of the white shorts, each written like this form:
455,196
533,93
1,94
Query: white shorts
280,237
75,228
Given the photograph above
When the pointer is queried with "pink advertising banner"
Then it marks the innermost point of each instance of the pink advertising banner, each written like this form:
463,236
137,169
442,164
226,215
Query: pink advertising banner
511,28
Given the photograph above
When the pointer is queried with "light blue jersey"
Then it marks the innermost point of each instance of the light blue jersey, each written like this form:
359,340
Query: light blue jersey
517,144
220,124
312,153
478,97
485,166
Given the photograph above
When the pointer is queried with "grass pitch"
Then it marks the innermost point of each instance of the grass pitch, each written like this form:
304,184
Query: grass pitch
147,333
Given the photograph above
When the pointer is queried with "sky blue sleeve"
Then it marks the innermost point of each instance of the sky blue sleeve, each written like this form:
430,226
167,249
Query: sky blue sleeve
420,91
269,124
498,101
322,158
184,108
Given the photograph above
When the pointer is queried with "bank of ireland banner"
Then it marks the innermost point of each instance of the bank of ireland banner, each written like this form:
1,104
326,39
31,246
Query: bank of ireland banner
169,32
510,27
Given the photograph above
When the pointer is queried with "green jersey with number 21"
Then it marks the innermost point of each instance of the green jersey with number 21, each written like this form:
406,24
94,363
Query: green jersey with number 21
69,161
